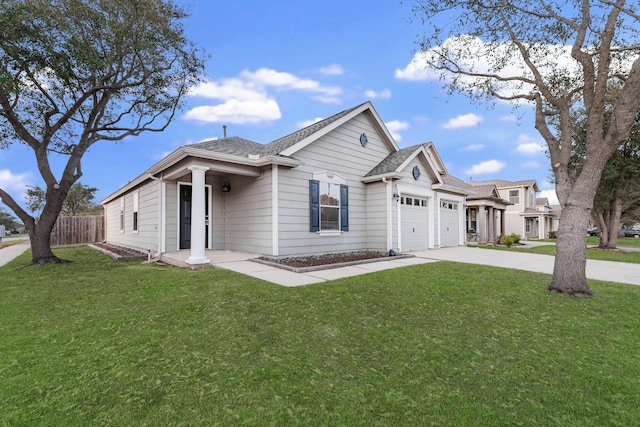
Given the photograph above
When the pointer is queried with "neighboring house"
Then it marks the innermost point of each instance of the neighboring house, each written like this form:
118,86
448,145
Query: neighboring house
485,214
527,216
340,184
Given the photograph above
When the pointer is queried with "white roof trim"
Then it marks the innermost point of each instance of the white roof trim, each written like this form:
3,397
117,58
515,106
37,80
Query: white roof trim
367,106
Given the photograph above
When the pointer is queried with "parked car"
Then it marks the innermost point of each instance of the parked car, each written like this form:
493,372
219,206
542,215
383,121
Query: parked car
629,232
592,231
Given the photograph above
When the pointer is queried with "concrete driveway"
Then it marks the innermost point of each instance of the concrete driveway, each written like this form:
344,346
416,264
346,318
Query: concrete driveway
620,272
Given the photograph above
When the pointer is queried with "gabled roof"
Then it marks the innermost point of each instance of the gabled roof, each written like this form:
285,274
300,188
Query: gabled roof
290,144
454,185
281,144
393,162
234,145
500,183
392,165
542,201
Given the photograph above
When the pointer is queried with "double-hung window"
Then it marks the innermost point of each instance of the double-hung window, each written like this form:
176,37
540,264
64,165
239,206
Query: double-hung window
135,212
122,215
328,206
514,196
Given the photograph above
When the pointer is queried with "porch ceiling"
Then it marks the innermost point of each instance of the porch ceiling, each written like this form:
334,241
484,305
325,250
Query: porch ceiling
181,169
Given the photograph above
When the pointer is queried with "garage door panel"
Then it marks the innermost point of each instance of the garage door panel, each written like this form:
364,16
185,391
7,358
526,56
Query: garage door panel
449,223
414,224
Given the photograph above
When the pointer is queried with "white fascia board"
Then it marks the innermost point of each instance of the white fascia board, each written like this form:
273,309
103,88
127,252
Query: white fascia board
374,178
366,107
433,170
451,189
183,152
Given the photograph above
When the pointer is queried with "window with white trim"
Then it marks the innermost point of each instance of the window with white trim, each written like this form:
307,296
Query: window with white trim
122,215
328,206
532,197
514,196
135,212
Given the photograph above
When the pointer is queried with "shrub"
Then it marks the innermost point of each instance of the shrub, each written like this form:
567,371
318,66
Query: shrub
516,238
508,240
553,234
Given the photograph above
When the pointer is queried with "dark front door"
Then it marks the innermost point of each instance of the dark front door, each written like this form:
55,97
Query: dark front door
185,217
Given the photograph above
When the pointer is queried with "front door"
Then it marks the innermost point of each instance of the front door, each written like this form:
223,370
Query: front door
185,216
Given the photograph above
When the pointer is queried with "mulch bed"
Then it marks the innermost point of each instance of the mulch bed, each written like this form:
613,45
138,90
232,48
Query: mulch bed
326,259
320,262
118,252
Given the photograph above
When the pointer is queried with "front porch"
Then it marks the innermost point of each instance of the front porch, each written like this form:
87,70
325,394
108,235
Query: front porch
216,257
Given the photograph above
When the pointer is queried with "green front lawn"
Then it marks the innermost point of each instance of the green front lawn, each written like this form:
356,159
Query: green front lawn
592,253
622,241
99,342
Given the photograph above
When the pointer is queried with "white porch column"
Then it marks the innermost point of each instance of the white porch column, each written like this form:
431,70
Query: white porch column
198,213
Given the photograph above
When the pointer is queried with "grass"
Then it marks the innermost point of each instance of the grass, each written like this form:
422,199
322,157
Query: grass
622,241
630,257
6,243
100,343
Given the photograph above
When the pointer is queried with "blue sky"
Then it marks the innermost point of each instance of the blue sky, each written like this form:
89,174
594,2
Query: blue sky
276,67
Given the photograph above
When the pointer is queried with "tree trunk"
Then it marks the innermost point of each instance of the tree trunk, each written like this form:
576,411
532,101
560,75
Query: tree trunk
614,221
40,233
569,270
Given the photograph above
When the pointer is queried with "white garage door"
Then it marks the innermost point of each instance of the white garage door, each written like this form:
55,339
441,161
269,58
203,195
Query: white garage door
449,223
414,224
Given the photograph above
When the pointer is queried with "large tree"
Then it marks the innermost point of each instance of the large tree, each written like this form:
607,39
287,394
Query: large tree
617,199
560,57
75,72
79,200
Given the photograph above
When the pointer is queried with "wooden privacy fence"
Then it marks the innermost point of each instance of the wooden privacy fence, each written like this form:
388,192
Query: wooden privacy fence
77,230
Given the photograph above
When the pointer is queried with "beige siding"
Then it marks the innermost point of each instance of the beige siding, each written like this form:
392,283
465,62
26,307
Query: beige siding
377,216
146,238
216,212
339,152
247,214
171,222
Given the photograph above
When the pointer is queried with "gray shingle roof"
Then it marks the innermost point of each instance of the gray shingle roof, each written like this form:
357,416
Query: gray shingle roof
281,144
500,183
233,145
392,162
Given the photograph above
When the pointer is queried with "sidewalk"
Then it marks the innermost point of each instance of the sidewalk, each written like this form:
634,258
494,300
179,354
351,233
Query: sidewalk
9,253
620,272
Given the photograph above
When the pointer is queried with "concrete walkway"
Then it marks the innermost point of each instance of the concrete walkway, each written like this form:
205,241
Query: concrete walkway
620,272
598,270
9,253
240,262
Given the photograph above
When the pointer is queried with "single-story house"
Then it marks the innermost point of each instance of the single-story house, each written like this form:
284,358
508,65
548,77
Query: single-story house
340,184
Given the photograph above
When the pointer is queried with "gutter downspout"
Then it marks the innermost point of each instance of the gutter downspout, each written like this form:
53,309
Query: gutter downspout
160,219
389,213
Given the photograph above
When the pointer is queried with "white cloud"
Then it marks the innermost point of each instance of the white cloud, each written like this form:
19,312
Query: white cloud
332,70
463,121
551,195
482,168
396,126
529,146
246,98
15,183
306,123
236,111
473,147
480,57
383,94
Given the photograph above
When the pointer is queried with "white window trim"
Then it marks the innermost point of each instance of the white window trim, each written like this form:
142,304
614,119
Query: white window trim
331,178
122,218
136,223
